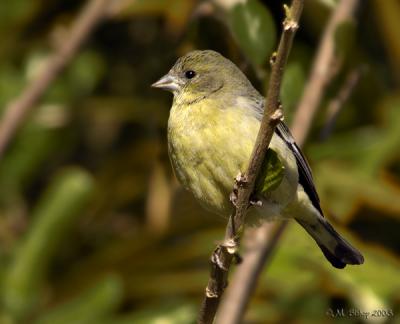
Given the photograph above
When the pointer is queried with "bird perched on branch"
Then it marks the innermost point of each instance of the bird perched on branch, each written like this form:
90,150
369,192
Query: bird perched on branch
212,128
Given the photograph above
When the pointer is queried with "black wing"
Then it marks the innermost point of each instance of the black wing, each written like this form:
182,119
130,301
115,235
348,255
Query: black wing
305,176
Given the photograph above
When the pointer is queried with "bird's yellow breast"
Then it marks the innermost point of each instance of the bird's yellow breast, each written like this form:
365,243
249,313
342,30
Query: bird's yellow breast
208,146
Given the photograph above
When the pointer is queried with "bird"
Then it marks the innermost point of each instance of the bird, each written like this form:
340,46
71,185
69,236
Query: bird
212,128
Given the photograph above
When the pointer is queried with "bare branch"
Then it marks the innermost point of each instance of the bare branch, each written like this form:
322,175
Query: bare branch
267,236
321,72
259,246
224,254
18,109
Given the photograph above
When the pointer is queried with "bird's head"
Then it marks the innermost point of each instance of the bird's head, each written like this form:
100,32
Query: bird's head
201,73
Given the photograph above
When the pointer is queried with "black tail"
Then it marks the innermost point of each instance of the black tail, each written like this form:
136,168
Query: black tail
336,249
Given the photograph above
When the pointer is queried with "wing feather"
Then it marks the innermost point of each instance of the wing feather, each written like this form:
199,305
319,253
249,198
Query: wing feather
256,105
305,175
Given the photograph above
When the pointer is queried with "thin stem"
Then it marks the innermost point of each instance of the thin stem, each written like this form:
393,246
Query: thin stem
223,255
259,247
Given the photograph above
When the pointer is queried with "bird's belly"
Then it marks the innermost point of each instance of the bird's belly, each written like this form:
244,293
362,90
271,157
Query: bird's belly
206,164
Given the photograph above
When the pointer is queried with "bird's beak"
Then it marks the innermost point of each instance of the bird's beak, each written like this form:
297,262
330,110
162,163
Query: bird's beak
167,82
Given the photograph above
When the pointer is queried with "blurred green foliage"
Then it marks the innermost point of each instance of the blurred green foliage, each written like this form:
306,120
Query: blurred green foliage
248,20
93,226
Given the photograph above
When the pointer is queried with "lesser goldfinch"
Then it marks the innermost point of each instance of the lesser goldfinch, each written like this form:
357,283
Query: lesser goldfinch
212,128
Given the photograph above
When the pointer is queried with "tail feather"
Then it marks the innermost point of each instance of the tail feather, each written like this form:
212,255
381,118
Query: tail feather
335,248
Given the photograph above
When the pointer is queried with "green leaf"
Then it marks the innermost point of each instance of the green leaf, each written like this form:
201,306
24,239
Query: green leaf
271,173
253,28
292,86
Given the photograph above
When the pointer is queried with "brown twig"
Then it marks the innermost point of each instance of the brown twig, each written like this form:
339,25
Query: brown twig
18,109
321,72
267,236
223,255
259,246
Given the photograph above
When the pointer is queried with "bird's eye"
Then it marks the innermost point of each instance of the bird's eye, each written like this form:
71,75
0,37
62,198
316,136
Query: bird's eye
190,74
